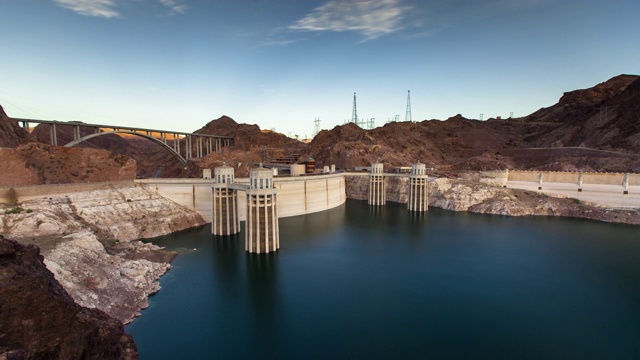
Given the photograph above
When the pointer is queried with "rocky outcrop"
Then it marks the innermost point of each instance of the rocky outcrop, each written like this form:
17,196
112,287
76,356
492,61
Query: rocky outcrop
39,320
97,279
251,145
479,197
86,239
487,196
11,134
36,163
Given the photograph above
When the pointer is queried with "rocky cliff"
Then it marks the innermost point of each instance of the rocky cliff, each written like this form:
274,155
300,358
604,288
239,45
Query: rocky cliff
11,134
36,163
87,241
39,320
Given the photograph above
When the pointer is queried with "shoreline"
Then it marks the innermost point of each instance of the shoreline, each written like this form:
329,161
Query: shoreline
87,237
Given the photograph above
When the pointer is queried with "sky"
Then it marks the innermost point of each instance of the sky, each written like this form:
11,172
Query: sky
281,64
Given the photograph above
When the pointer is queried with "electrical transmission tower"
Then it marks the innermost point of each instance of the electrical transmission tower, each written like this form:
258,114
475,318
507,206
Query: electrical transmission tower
407,116
316,126
354,114
371,123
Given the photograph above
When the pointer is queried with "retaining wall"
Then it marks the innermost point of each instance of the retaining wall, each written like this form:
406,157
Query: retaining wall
25,193
572,177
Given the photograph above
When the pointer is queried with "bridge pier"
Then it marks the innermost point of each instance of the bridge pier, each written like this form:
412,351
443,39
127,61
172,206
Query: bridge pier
225,203
418,188
262,230
377,194
54,134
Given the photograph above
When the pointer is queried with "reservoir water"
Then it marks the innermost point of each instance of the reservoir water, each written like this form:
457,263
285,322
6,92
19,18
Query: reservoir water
358,282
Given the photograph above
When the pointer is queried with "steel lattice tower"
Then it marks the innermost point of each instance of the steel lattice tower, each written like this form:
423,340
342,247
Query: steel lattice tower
407,116
354,114
316,127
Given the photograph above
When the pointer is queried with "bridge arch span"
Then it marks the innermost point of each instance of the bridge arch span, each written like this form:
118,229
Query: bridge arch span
157,141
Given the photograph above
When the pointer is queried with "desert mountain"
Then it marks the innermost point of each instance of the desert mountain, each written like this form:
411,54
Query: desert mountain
602,117
592,129
246,136
250,146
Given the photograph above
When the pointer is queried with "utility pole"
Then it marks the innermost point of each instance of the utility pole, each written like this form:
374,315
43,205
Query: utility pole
316,127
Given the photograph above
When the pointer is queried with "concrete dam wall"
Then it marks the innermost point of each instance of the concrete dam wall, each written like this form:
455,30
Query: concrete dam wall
295,195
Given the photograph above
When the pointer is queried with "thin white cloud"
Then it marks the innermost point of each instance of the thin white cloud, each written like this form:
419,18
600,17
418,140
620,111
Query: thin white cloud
107,8
371,18
98,8
175,6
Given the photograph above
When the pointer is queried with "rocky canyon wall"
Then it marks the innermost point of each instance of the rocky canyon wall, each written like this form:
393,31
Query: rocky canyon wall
39,320
87,239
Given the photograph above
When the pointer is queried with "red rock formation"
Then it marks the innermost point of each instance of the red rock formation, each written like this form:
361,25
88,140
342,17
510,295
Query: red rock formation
36,163
602,117
11,134
251,146
39,320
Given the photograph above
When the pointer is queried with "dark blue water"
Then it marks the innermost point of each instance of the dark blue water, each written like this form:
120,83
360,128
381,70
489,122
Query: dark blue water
363,283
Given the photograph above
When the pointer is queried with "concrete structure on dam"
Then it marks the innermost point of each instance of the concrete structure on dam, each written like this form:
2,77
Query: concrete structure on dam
377,192
418,188
262,231
224,203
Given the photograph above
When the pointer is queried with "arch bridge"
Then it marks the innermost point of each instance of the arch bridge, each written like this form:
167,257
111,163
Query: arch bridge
182,145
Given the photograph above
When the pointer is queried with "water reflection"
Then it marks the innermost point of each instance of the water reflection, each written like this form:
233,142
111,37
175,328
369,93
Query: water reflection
300,230
264,301
225,265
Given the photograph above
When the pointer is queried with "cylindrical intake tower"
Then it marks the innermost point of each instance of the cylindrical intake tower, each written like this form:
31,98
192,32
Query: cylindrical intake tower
261,233
418,188
224,203
377,194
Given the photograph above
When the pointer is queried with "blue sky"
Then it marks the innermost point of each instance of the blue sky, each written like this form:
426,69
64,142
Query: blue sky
177,64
